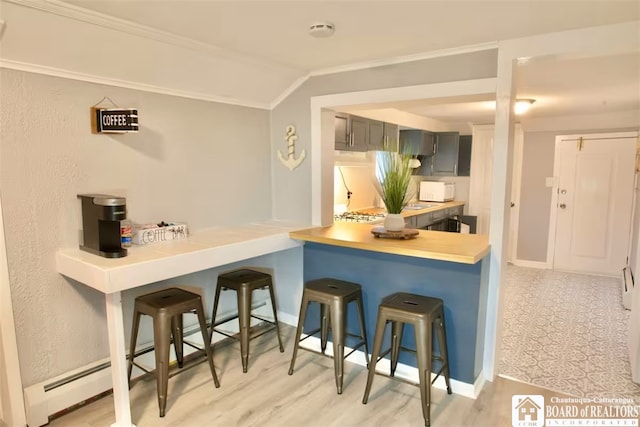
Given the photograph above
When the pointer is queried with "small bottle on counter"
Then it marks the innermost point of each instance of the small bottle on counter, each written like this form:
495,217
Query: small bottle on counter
126,233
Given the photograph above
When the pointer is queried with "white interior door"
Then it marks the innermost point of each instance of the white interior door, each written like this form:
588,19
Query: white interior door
593,202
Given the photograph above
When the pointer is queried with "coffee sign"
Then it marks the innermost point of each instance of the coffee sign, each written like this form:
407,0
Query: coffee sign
114,120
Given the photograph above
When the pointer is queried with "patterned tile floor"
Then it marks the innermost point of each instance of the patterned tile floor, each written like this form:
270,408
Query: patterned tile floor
566,332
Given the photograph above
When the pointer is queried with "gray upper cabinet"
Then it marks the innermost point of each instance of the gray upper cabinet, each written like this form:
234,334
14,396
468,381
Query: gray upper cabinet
416,141
376,136
445,158
390,137
342,132
464,156
351,132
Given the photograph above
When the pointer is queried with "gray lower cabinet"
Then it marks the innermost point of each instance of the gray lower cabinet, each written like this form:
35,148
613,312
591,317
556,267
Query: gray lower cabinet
427,219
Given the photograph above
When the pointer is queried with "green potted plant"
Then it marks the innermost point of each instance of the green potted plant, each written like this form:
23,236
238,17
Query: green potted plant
393,178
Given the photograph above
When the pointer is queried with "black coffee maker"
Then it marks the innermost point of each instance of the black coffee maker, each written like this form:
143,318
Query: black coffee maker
101,216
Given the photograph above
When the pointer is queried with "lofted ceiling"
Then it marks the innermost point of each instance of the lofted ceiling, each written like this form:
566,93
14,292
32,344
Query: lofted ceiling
275,33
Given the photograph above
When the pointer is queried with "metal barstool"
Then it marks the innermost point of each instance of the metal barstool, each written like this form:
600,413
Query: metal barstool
244,282
334,295
423,313
166,307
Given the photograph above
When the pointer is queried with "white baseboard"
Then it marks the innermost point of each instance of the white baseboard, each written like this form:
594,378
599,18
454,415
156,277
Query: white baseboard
531,264
405,372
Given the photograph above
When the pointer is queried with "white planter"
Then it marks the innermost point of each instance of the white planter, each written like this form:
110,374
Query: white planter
393,222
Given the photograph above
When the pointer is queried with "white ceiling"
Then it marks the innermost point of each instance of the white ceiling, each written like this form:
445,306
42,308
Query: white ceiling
275,32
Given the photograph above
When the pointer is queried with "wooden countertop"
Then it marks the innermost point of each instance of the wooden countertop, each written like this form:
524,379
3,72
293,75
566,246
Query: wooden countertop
438,245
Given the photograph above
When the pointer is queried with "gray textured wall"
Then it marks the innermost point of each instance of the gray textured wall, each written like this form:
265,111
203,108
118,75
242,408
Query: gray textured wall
194,161
292,190
535,198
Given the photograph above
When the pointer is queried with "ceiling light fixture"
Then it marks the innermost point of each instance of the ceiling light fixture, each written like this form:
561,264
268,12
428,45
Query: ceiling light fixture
321,29
523,105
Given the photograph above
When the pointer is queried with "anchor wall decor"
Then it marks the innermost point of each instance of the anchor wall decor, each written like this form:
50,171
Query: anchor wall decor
290,161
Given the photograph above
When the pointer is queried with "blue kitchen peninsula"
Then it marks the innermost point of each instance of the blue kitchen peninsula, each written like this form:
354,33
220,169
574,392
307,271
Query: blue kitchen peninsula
450,266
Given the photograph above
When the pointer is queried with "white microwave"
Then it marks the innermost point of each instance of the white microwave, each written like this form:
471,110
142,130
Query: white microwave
437,191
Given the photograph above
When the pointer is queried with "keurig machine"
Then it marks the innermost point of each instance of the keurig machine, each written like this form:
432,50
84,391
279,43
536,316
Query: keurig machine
101,216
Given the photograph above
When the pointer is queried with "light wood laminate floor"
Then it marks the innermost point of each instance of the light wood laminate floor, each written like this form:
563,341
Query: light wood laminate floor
267,396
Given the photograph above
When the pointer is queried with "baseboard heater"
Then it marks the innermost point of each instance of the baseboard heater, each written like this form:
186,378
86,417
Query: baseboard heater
76,387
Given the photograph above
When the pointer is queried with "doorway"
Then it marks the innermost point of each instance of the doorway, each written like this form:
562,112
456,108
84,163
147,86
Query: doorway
591,206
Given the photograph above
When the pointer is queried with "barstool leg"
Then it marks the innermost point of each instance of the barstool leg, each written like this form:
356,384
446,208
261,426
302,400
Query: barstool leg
216,299
423,349
176,332
161,342
244,319
208,350
324,326
337,317
275,315
134,338
397,329
303,314
442,338
363,329
377,345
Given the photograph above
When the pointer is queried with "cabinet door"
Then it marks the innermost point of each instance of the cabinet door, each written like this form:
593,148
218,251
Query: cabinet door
342,132
427,147
464,155
445,159
376,136
422,221
416,141
390,141
359,128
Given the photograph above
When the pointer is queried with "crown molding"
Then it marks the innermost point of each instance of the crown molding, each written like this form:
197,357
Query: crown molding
91,78
78,13
403,59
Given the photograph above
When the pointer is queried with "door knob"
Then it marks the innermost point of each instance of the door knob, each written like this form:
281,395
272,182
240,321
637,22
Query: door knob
562,206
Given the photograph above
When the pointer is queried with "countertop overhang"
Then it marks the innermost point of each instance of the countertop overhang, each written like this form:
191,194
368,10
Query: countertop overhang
437,245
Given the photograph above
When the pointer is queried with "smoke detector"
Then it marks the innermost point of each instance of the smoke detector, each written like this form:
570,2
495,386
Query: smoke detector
321,29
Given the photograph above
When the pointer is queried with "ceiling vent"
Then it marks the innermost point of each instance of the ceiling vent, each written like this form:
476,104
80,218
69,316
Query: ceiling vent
321,29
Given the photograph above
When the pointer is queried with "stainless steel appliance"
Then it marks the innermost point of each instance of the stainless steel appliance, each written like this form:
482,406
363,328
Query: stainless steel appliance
437,191
101,216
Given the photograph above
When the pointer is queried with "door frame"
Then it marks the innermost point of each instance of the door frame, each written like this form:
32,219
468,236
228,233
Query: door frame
516,189
553,211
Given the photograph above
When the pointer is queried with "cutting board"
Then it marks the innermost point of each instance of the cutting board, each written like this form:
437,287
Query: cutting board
405,233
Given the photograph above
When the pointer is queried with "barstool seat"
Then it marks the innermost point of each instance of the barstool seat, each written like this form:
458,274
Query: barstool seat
333,296
244,282
423,313
166,307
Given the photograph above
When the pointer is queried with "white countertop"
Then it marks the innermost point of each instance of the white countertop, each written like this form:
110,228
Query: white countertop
157,261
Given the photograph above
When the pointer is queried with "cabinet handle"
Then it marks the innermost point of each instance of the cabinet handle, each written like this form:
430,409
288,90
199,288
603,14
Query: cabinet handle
435,148
351,139
385,144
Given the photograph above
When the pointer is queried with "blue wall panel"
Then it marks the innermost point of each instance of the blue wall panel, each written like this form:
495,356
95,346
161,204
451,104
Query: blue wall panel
458,285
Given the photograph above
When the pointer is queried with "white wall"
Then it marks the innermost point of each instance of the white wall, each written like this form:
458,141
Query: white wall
194,161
